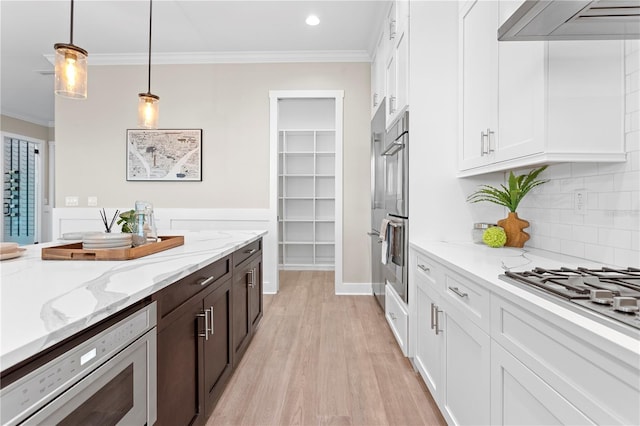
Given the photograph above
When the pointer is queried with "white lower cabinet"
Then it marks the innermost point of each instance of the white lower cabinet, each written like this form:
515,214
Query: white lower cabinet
397,317
487,359
465,374
451,352
519,396
428,348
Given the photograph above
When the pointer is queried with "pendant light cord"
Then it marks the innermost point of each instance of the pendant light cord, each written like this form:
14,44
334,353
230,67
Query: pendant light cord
150,20
71,35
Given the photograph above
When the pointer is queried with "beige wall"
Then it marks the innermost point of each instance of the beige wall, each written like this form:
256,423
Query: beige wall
230,102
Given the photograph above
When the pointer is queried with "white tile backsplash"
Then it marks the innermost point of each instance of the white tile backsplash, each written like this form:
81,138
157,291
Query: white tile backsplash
609,230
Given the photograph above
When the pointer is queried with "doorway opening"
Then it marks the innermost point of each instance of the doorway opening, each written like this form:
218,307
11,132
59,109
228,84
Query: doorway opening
307,198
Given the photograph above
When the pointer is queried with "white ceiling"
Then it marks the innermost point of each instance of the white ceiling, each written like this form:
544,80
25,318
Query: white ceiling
116,31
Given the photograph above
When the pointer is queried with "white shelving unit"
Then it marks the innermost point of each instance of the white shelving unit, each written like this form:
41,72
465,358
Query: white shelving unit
306,201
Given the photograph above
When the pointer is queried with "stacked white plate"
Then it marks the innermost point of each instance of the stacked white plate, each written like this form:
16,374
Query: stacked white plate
101,240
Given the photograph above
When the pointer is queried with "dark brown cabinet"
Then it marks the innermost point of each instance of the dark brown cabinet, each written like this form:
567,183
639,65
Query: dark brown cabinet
202,320
247,297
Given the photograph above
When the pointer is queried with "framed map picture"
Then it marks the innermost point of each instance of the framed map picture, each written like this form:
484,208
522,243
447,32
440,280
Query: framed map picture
164,155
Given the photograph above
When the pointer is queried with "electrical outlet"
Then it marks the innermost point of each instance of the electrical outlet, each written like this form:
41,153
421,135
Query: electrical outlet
92,201
71,201
580,202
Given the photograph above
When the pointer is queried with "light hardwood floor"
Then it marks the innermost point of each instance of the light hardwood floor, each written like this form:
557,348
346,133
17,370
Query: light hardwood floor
321,359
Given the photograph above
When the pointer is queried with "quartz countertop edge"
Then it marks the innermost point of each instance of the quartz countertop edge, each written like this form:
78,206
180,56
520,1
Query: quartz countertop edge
43,302
484,265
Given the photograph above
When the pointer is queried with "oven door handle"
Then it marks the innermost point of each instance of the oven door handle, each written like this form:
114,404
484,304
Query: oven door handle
393,147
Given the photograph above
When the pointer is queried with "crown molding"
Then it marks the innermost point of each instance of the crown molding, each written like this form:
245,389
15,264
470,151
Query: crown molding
28,119
183,58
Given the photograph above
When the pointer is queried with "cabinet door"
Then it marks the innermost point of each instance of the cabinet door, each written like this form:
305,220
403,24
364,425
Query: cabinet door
255,294
518,396
180,401
217,347
465,392
521,95
479,83
390,88
241,327
429,345
378,73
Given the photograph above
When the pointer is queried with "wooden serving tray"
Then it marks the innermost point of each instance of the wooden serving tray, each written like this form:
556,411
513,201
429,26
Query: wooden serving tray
75,251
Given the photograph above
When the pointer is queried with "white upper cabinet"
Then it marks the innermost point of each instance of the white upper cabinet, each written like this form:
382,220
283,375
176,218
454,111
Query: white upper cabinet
528,103
479,100
378,74
397,64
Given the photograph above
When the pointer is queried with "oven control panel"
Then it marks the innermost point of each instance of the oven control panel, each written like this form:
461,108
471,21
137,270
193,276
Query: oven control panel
25,396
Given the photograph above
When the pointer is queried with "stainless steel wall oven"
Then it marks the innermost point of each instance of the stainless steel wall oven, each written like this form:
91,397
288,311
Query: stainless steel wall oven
396,202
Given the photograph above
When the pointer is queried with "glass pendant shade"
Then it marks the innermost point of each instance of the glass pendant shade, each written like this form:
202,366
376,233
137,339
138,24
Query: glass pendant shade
70,71
148,109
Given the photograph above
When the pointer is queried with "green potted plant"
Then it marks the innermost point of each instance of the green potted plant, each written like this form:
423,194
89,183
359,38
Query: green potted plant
126,220
510,197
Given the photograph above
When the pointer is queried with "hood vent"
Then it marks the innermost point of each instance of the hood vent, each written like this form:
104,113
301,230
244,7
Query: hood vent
573,20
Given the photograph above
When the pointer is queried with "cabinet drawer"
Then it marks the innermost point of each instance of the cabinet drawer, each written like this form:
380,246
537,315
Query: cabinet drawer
426,268
177,293
397,317
246,252
470,298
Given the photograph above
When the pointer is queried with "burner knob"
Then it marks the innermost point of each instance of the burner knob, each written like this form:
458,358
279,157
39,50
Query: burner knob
625,304
602,297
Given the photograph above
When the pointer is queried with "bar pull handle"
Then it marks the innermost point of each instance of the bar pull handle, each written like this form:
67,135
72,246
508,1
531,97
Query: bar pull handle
250,278
457,291
432,316
483,143
250,251
424,268
205,315
490,147
212,322
393,316
206,281
392,29
437,322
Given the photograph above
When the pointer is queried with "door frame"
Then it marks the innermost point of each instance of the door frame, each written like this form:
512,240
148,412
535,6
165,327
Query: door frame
338,97
41,144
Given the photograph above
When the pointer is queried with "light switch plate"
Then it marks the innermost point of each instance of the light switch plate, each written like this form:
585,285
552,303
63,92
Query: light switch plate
92,201
71,201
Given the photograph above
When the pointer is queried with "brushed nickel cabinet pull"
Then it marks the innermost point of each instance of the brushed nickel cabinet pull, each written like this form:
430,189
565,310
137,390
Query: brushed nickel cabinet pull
433,323
424,268
457,291
205,315
251,251
206,281
437,325
211,314
250,278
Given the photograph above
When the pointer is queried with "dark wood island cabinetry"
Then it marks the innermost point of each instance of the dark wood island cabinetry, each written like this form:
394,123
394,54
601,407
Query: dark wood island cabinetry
205,323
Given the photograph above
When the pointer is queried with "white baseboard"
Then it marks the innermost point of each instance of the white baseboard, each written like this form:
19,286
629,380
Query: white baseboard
355,289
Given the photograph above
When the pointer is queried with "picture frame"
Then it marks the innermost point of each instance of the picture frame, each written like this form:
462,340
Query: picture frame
169,155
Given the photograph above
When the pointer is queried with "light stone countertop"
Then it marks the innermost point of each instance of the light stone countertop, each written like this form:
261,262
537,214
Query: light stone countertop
484,265
45,301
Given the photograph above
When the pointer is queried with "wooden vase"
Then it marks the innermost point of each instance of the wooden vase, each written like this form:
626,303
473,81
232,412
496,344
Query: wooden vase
513,226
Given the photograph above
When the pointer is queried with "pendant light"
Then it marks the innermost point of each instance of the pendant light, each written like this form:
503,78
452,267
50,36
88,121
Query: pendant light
70,68
148,103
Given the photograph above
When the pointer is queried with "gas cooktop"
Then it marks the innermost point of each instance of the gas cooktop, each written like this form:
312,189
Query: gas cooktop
613,293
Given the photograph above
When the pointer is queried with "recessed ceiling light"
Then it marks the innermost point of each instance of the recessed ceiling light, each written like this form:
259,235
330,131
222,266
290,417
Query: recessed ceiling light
312,20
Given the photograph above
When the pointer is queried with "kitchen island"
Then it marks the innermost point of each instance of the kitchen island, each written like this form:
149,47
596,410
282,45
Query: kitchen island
46,301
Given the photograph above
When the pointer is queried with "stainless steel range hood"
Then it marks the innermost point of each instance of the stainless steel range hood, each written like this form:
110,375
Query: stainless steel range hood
573,20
